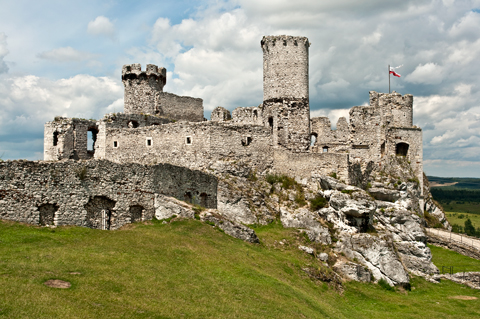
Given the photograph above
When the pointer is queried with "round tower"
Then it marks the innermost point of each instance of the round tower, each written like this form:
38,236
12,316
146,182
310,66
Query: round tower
285,67
285,91
142,88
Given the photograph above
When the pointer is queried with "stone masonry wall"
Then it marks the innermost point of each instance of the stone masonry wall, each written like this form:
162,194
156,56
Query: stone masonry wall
335,140
285,67
192,145
66,138
251,115
304,164
289,122
142,88
180,108
80,192
220,114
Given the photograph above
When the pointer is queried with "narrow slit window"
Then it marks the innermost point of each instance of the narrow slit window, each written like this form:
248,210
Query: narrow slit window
149,141
188,140
115,144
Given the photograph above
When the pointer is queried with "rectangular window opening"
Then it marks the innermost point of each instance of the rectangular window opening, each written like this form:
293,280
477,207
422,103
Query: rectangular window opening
188,140
149,141
115,144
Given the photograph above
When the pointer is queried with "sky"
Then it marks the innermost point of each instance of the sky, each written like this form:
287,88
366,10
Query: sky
64,58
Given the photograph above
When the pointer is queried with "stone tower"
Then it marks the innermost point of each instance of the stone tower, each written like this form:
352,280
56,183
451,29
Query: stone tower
285,90
142,88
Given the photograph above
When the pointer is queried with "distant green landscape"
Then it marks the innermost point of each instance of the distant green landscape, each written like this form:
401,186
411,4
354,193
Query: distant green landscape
460,201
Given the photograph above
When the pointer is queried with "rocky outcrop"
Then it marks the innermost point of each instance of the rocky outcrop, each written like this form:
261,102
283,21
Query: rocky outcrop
306,221
353,271
375,252
229,227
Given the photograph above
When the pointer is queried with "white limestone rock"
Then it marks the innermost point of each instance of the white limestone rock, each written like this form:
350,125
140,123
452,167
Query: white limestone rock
166,207
231,228
304,219
306,249
353,271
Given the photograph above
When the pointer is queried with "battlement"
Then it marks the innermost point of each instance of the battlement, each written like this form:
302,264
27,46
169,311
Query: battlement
394,105
134,71
283,40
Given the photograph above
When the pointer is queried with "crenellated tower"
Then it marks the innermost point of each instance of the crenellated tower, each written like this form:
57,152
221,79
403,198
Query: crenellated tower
285,90
142,88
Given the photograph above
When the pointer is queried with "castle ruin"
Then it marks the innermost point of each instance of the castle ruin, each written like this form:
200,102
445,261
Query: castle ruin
109,172
161,127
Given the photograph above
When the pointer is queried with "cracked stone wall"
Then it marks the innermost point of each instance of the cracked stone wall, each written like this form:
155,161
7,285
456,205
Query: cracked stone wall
97,194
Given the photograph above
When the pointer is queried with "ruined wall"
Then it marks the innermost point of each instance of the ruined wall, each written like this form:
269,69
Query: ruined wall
397,110
252,115
193,145
142,88
285,67
397,138
220,114
333,140
304,164
367,133
289,122
66,138
79,192
180,108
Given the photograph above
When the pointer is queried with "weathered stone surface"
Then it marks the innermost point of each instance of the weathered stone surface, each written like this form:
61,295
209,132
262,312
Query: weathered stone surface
231,228
377,253
166,207
323,257
384,194
306,249
353,271
360,205
304,219
416,256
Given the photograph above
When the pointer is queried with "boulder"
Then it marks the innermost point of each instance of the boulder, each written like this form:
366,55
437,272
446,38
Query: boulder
306,249
375,252
230,228
306,220
384,194
353,271
166,207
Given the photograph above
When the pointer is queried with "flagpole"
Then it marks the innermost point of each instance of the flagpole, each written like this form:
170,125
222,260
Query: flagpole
389,78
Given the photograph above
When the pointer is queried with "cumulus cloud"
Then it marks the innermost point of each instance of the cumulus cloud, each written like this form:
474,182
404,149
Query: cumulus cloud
30,101
66,54
3,52
101,26
217,57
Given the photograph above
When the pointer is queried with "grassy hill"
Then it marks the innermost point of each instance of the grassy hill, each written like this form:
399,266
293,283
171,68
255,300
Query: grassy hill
458,182
187,269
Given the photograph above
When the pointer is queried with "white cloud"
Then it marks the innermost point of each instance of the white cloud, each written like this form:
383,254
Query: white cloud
67,54
3,52
429,73
101,26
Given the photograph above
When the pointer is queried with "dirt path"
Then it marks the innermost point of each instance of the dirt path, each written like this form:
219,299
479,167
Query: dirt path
455,237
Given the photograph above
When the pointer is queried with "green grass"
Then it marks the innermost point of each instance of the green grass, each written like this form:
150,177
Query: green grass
187,269
446,257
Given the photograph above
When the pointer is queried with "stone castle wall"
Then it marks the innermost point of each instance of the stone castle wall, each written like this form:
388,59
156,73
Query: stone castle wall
79,192
66,138
251,115
304,164
193,145
180,108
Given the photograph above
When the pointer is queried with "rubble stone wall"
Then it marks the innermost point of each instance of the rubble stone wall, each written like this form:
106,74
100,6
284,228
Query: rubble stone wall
304,164
180,108
66,138
79,192
192,145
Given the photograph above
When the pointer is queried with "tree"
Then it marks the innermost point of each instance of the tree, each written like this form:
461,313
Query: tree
469,228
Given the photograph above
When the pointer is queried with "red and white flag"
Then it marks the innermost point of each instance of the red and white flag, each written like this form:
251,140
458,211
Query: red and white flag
392,70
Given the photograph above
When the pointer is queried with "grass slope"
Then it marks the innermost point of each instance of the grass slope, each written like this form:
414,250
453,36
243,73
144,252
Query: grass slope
448,258
186,269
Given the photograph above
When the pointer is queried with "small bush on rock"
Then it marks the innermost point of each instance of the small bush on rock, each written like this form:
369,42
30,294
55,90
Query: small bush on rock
317,203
